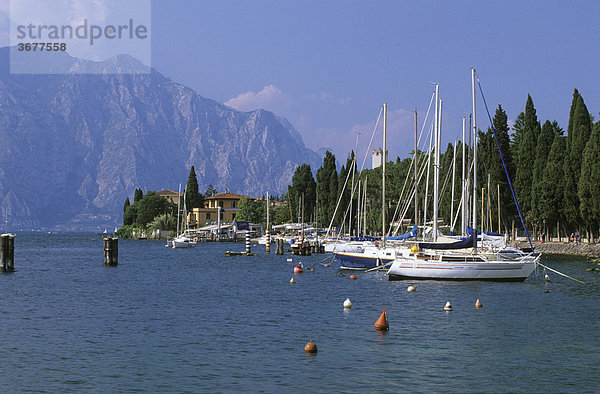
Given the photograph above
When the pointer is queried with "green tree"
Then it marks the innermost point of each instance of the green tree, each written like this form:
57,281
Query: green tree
210,191
193,199
303,183
527,145
589,183
552,186
345,189
251,211
281,214
544,144
577,138
151,206
130,215
139,194
327,187
166,221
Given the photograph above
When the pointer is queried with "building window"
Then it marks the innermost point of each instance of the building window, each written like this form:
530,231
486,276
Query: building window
207,215
233,204
221,204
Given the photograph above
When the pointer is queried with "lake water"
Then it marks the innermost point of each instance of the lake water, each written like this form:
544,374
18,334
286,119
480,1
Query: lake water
193,320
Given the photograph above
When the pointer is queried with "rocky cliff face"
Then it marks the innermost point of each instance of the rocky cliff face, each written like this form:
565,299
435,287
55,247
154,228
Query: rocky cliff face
73,147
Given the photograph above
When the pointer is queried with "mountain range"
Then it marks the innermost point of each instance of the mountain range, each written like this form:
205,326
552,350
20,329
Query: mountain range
73,147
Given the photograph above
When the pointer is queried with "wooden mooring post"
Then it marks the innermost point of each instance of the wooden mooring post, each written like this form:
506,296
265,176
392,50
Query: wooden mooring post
7,252
111,251
278,246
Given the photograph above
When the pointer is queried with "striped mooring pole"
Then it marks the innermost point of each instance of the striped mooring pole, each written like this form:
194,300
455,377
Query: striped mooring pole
268,246
7,252
248,251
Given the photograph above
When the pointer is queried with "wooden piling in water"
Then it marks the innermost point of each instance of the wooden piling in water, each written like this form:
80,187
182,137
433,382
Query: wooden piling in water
278,246
111,251
7,252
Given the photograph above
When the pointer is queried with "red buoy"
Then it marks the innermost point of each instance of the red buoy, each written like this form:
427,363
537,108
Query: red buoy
352,276
310,347
382,323
298,269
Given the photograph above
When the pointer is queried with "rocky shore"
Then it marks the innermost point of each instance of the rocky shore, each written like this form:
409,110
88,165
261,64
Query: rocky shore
583,249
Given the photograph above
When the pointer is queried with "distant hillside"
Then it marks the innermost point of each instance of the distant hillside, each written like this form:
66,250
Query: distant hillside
73,147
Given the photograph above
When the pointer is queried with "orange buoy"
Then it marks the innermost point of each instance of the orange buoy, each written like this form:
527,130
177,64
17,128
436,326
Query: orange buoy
310,347
382,323
352,276
478,304
298,269
325,265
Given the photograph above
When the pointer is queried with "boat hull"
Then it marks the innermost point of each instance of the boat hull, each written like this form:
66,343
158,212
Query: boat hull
441,270
361,261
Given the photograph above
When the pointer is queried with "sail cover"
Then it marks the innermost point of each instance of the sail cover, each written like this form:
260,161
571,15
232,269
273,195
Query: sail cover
460,244
411,234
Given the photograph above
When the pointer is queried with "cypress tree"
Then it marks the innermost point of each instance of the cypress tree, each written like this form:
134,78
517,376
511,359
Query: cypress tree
544,144
527,145
576,142
138,195
327,189
589,183
303,183
495,167
572,112
193,199
127,203
552,185
516,138
344,193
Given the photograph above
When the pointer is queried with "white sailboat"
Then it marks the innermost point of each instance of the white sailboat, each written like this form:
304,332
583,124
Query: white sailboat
184,239
439,261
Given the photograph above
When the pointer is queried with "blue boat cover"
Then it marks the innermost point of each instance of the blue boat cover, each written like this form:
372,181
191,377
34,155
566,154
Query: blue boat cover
411,234
364,238
460,244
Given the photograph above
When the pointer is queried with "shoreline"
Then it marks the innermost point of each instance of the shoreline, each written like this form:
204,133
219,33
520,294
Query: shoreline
583,249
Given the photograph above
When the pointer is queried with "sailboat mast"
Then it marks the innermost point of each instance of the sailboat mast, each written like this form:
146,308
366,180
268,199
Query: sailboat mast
499,228
436,163
463,227
415,174
474,159
267,210
452,191
178,204
383,175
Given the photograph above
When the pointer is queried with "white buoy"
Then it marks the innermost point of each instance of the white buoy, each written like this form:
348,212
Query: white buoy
547,278
292,281
448,307
348,303
411,288
290,260
478,304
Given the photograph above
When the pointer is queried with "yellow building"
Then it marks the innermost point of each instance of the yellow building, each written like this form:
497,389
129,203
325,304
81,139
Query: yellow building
169,195
228,202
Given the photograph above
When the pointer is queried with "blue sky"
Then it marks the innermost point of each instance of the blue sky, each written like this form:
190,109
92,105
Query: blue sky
327,66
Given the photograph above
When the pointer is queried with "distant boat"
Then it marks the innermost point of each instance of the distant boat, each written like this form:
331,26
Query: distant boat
183,239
